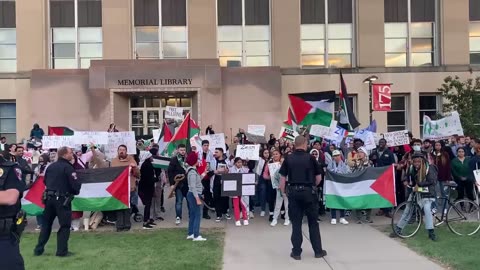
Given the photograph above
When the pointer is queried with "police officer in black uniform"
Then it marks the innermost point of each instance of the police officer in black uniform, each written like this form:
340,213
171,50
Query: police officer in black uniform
61,185
304,174
12,219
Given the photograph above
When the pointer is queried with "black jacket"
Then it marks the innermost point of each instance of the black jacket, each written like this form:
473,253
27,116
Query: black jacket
23,164
387,158
430,181
61,177
175,168
147,178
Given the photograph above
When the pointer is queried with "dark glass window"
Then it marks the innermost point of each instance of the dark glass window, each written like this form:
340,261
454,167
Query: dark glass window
229,12
89,13
257,12
313,11
396,10
146,12
474,10
7,14
174,12
62,13
340,11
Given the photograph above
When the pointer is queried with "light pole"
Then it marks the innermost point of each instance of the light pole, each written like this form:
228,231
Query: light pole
370,81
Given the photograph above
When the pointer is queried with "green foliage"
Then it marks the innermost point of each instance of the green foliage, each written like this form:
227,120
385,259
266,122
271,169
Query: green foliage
463,97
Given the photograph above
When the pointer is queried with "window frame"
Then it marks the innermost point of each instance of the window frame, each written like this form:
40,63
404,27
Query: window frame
438,107
353,39
244,41
10,26
161,52
77,57
409,49
2,102
406,101
470,36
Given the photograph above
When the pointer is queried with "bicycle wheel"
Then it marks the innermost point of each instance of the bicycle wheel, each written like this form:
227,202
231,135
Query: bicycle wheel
406,219
463,217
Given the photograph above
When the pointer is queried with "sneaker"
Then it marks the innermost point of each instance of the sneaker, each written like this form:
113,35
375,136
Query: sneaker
218,219
274,223
38,228
199,239
178,221
431,235
245,223
190,237
162,209
295,257
343,221
287,222
227,216
147,226
262,214
151,222
238,223
322,254
333,221
251,215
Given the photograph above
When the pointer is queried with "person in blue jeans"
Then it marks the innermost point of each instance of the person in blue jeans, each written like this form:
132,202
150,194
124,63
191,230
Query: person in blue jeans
422,179
195,189
176,168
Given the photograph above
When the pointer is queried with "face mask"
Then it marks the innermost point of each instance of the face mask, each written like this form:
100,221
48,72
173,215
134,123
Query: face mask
416,148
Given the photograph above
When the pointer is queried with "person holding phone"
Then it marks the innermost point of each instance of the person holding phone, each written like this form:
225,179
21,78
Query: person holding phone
195,189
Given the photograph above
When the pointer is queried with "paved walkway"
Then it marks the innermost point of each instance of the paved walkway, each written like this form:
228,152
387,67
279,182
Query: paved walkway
350,247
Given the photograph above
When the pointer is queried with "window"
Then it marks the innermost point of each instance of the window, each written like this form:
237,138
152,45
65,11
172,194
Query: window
8,37
409,33
8,121
76,33
475,32
326,33
163,36
430,105
397,118
243,32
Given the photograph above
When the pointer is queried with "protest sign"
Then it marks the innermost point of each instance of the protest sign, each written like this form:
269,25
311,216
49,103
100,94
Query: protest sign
256,138
397,138
258,130
215,140
377,137
90,137
238,184
173,113
248,151
319,131
156,135
442,128
287,133
116,139
273,168
55,142
367,138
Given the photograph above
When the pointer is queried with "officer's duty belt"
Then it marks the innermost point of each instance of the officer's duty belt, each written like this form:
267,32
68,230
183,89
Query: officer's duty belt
56,193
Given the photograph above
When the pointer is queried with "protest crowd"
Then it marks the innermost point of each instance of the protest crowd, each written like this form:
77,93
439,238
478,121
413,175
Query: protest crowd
194,171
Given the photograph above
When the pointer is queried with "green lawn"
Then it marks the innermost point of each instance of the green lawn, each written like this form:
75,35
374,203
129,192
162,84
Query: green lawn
160,249
457,252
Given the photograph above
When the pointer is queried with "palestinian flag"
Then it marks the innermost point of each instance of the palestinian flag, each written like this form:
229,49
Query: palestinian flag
161,162
187,130
60,131
165,137
290,123
104,189
367,189
313,108
347,119
32,200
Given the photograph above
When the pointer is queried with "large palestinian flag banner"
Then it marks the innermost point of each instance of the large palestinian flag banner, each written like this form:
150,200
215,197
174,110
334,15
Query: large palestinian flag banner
104,189
313,108
367,189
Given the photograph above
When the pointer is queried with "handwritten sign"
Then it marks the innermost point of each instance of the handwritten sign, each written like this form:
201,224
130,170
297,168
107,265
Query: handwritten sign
273,168
216,141
256,138
442,128
174,113
397,138
248,151
90,137
258,130
287,133
367,138
55,142
115,139
156,134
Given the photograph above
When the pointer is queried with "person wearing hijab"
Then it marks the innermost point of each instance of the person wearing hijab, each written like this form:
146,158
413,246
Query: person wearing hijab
146,187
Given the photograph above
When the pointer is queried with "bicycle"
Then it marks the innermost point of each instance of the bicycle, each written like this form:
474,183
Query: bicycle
462,216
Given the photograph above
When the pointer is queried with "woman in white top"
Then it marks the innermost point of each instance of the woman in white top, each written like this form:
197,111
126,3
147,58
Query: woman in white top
239,201
280,198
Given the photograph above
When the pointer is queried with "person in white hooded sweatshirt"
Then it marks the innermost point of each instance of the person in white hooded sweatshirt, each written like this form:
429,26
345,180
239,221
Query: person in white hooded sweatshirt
239,201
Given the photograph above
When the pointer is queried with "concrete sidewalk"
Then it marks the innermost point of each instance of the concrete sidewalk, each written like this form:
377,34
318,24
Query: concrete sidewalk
350,247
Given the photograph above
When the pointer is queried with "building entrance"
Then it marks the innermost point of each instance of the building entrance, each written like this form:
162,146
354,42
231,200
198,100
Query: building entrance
147,112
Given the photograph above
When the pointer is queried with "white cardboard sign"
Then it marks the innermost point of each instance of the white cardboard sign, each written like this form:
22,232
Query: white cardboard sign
55,142
258,130
367,138
174,113
396,138
249,151
90,137
115,139
216,140
442,128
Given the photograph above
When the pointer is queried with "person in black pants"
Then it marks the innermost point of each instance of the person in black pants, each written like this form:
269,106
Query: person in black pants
61,184
221,203
146,186
304,174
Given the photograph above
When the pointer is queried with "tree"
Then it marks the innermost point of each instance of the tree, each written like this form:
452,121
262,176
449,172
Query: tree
463,97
